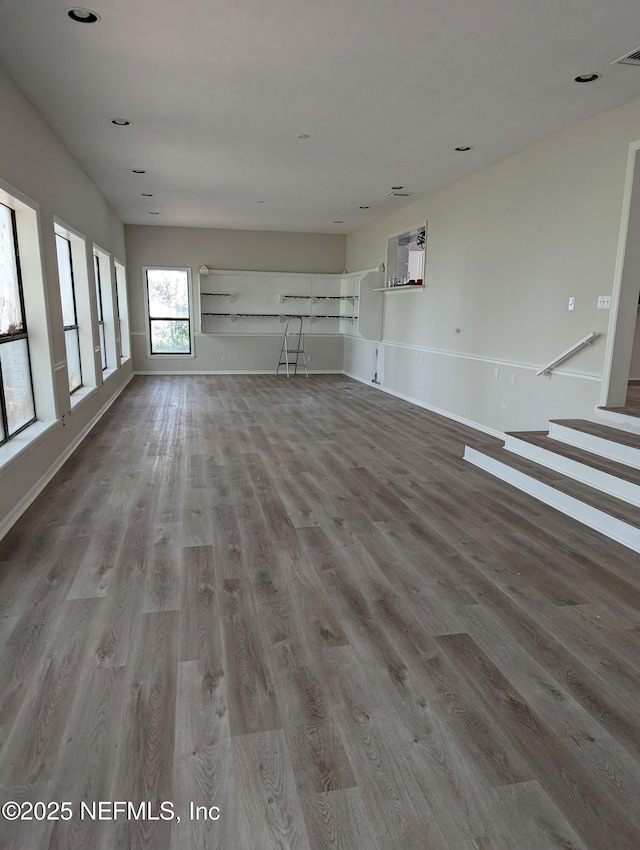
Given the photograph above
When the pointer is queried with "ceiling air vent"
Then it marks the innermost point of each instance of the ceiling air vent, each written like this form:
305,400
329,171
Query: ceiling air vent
401,194
632,58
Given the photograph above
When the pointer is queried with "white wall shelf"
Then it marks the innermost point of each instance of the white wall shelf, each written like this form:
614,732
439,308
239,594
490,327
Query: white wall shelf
405,287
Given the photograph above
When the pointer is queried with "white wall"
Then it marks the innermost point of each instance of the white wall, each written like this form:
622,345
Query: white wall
506,248
34,162
313,253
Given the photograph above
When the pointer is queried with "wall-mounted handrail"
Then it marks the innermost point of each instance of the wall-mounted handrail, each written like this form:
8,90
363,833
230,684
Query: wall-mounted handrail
587,340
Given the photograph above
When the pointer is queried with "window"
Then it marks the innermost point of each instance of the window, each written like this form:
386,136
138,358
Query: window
103,342
17,408
69,312
168,306
405,257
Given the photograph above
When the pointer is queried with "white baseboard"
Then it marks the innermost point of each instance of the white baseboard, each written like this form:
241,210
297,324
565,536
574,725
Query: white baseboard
478,426
27,500
243,372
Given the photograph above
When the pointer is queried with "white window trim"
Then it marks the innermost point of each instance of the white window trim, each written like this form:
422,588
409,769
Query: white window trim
37,309
122,307
147,333
80,245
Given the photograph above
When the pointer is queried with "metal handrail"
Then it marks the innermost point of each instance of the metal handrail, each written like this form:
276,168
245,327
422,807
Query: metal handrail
587,340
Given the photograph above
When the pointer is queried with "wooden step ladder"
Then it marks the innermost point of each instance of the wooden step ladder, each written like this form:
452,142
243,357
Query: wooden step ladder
292,352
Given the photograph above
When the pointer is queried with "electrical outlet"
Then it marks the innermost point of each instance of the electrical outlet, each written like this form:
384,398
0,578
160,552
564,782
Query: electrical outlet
308,358
572,303
604,302
223,358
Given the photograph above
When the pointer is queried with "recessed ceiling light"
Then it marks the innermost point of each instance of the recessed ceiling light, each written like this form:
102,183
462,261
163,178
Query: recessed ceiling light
395,188
464,148
587,78
303,136
83,16
138,171
154,213
147,194
364,208
120,122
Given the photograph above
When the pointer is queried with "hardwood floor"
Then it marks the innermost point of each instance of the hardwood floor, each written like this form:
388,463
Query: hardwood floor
632,402
294,601
633,399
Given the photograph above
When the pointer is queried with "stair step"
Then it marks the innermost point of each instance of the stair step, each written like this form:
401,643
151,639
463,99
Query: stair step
599,511
611,443
620,417
615,479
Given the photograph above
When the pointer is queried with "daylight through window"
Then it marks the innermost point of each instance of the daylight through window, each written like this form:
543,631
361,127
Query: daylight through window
103,343
17,409
169,318
69,312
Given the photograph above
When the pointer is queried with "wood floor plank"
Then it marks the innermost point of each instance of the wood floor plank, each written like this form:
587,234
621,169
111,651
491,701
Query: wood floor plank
534,822
313,737
200,632
252,700
266,799
20,834
339,819
144,771
202,757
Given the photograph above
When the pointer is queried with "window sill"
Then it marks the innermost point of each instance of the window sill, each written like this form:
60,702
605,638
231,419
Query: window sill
80,395
21,444
107,373
171,356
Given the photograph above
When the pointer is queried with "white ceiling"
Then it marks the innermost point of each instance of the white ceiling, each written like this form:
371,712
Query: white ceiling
217,92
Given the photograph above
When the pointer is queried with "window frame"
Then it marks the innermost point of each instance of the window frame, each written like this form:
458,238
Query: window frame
15,337
76,326
122,309
189,318
102,336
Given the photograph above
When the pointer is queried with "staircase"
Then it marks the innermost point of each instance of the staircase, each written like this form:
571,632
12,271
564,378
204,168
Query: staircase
587,470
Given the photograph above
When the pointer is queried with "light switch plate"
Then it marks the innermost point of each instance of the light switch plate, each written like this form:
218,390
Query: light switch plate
604,302
571,305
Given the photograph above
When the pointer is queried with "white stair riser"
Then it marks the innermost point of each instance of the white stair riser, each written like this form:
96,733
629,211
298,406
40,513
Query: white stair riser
596,445
631,424
616,529
601,481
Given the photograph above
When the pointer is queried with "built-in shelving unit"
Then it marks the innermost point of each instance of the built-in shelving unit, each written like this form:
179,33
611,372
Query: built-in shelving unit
332,304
